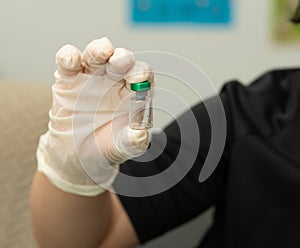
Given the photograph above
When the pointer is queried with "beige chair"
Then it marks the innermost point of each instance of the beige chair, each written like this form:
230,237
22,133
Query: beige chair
23,118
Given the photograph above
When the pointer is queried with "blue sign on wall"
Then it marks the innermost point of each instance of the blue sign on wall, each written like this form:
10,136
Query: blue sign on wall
186,11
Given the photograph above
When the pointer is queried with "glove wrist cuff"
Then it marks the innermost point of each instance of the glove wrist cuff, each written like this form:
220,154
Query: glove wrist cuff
83,190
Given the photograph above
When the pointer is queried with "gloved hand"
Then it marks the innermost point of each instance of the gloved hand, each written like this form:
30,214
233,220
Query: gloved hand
88,134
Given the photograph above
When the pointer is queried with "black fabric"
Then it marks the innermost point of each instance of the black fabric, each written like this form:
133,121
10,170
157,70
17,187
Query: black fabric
256,186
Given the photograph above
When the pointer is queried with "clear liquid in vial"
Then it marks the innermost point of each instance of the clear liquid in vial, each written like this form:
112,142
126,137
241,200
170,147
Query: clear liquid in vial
140,112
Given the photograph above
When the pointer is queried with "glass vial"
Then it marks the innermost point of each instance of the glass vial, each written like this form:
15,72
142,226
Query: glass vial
140,109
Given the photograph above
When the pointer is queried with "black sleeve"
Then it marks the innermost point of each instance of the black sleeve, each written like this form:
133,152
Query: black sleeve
256,181
154,215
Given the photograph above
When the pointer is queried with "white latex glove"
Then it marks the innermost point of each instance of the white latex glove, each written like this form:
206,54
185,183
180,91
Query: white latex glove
88,132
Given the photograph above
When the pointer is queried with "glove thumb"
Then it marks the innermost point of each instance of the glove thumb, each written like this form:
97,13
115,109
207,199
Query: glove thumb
132,143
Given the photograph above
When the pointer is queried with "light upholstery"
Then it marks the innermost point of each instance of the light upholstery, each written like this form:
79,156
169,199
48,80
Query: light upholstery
23,118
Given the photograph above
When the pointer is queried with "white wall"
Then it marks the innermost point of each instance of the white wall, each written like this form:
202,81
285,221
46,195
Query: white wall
32,31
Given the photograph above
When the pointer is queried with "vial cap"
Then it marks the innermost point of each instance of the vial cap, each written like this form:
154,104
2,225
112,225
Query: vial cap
141,86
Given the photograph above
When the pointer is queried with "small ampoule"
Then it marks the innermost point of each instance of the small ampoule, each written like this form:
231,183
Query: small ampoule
140,110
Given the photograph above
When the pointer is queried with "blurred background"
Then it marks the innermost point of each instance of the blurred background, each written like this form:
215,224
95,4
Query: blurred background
32,31
254,38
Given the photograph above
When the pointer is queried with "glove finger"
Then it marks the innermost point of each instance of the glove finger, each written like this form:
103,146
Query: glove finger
119,63
140,72
96,54
68,60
